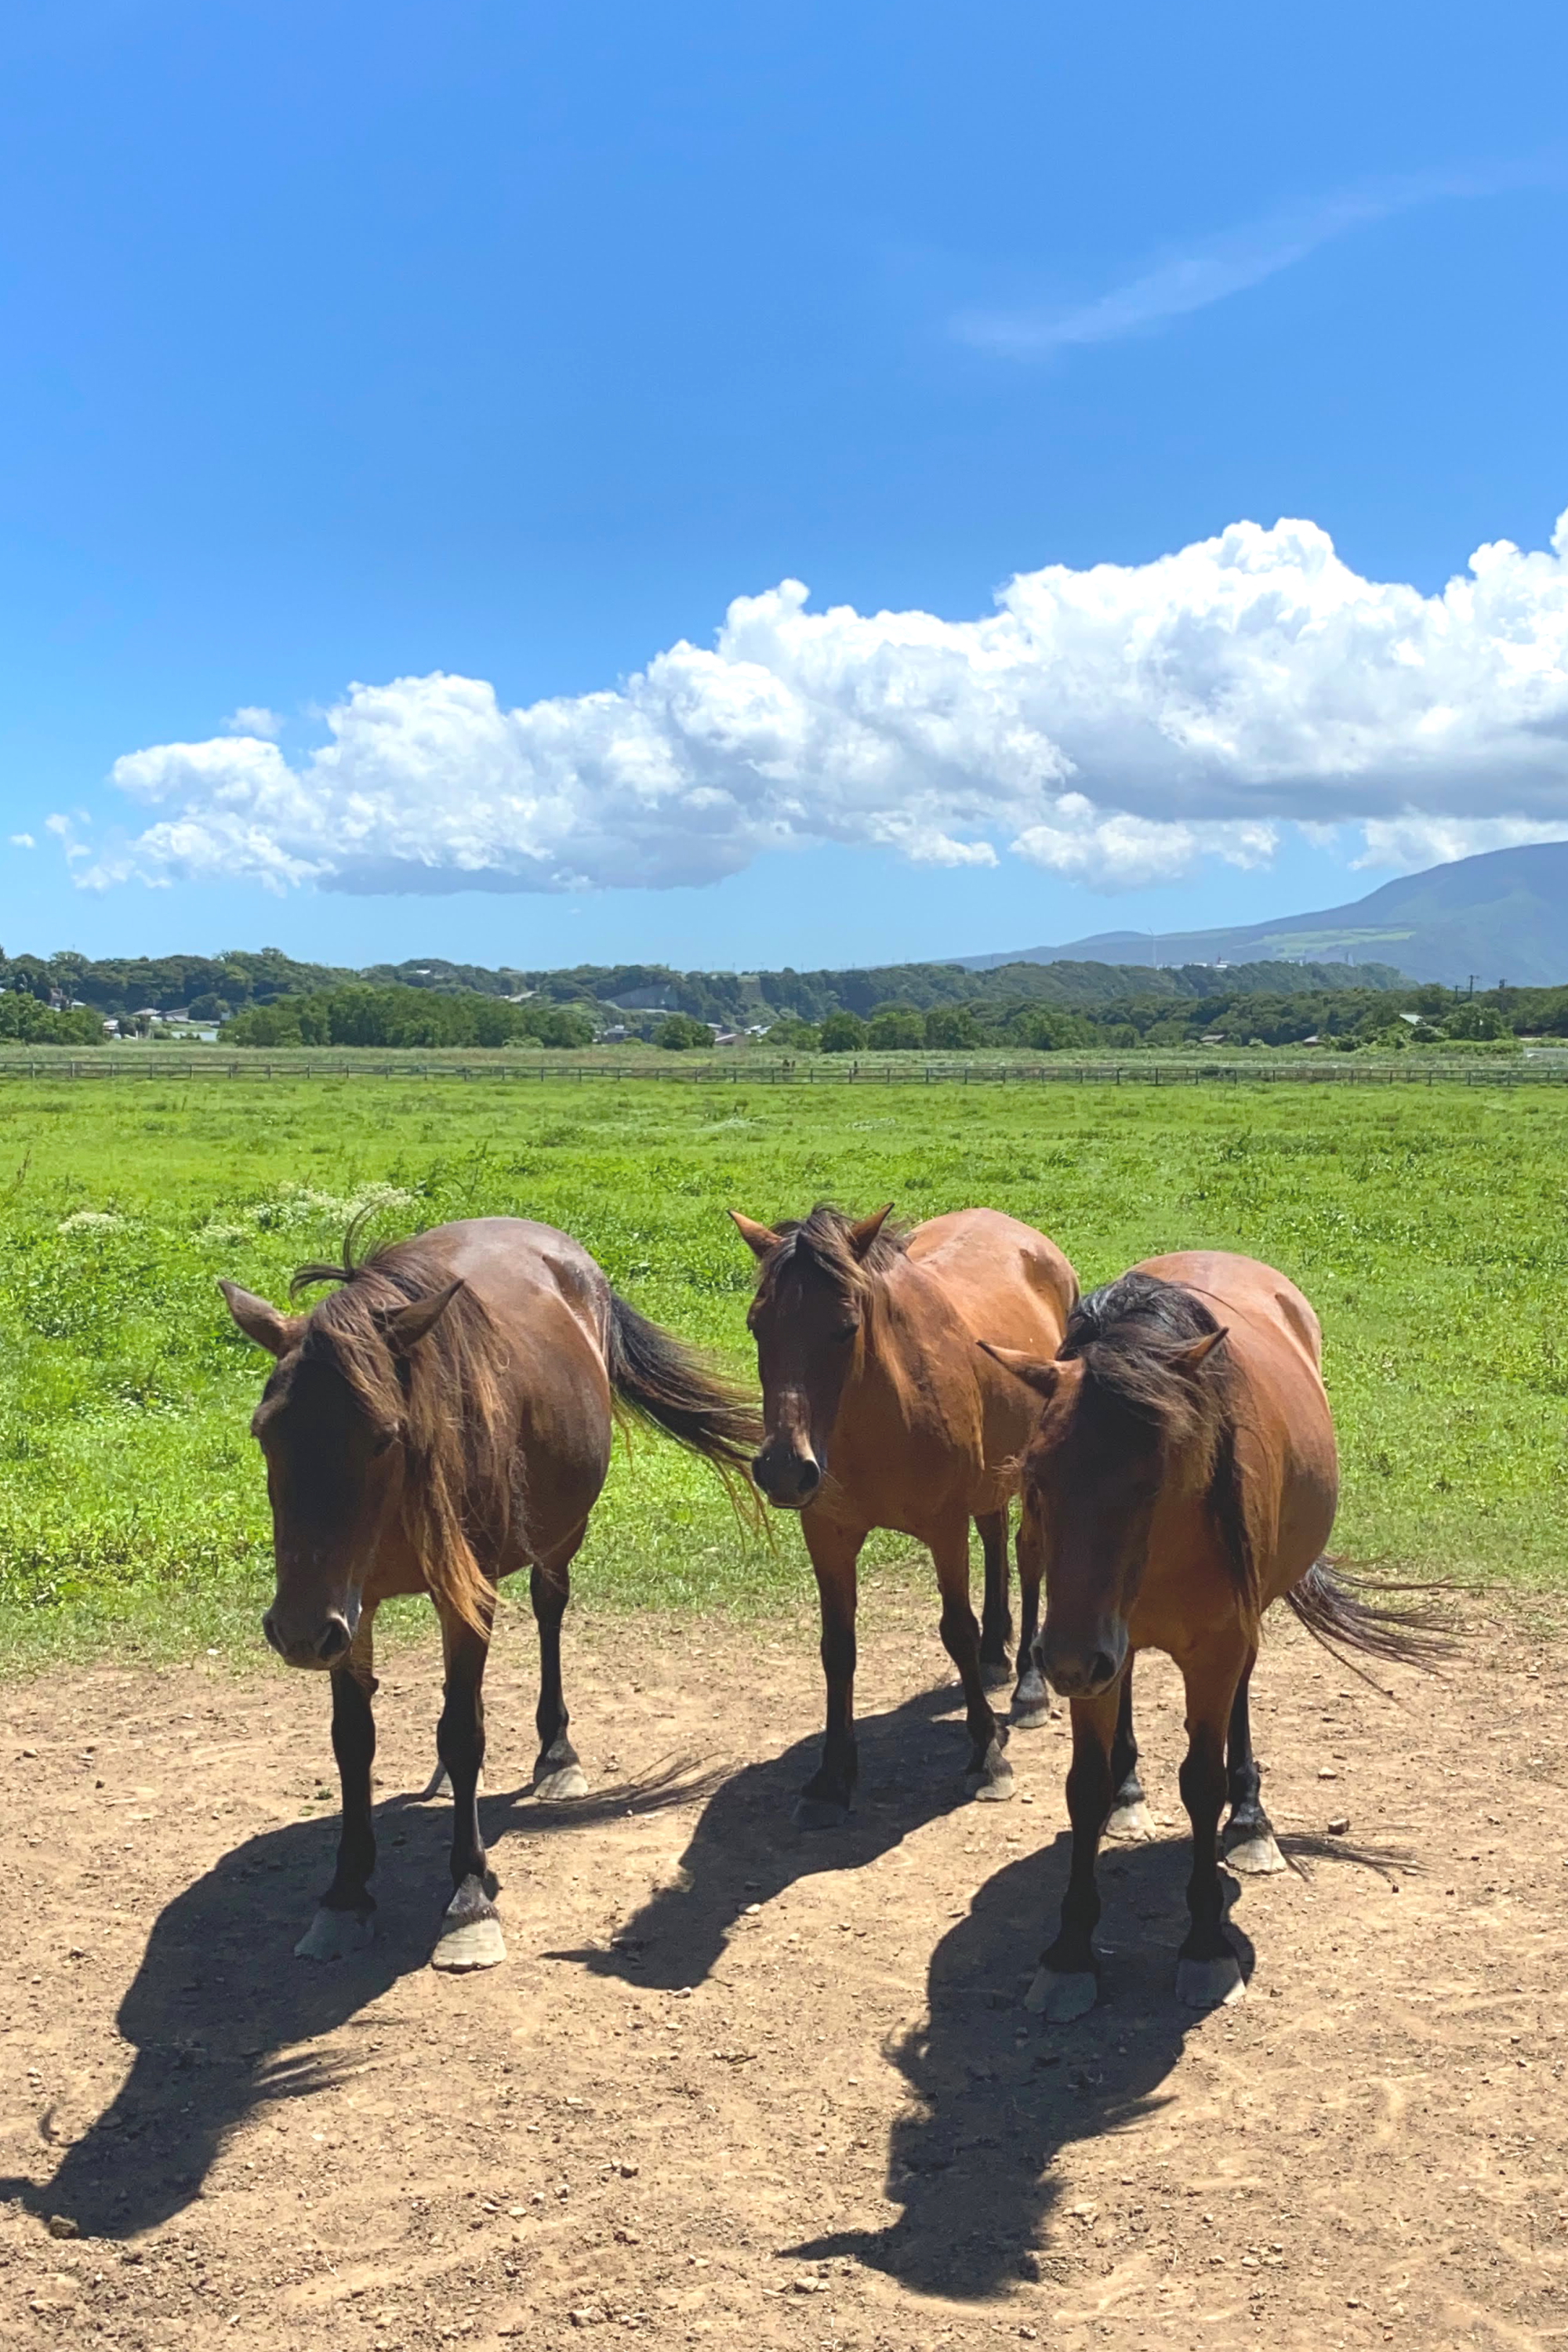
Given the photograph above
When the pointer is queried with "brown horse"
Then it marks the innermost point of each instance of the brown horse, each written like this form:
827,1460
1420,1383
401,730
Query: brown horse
1182,1478
881,1412
440,1421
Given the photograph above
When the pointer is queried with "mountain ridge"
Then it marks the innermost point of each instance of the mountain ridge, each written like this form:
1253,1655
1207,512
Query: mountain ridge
1500,915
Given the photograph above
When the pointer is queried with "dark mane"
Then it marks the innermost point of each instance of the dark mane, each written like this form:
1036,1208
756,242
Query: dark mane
1130,1338
823,1240
443,1397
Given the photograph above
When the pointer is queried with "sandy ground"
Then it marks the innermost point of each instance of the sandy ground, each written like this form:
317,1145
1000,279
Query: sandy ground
744,2085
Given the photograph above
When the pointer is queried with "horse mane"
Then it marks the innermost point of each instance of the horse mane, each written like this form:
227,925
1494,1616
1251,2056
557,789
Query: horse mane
823,1240
1129,1337
444,1396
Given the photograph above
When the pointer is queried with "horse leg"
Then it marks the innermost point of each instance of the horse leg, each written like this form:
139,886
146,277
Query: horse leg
1130,1814
1207,1973
995,1617
988,1773
1067,1984
557,1773
345,1916
1248,1843
826,1801
1032,1697
470,1933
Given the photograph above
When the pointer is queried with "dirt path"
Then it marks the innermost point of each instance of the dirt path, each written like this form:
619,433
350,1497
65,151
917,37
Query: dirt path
744,2086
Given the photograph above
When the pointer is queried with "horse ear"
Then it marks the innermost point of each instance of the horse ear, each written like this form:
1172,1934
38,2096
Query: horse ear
762,1239
1035,1372
404,1327
862,1235
1198,1351
266,1324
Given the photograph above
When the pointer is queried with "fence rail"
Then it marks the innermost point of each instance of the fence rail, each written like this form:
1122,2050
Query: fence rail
113,1065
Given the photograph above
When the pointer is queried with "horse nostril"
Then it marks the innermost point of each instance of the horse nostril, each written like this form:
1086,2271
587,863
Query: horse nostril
1101,1670
333,1642
808,1475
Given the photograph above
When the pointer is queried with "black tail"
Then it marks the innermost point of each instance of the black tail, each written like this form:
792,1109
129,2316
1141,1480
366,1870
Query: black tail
659,1377
1338,1610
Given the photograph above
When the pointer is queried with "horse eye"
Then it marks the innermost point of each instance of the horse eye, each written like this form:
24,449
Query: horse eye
386,1438
845,1333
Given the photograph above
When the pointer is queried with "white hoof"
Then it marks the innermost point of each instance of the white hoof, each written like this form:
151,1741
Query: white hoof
1209,1984
1030,1718
992,1788
1256,1857
1060,1998
1134,1822
477,1944
334,1935
570,1780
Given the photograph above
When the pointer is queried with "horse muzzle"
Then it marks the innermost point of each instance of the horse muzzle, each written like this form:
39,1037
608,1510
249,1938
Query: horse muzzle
788,1475
318,1645
1082,1668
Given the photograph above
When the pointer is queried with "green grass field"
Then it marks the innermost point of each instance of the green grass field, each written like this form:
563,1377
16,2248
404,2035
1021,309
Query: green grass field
1428,1227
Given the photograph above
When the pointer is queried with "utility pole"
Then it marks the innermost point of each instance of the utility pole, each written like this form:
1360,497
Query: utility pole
1472,986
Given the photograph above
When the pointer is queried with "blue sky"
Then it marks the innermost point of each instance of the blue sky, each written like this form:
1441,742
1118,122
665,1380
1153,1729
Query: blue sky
350,345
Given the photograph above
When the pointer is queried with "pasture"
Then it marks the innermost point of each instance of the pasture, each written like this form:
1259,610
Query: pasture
740,2083
1429,1228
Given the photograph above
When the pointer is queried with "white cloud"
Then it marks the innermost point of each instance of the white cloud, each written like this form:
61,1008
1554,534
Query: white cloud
1116,725
1413,842
1228,263
254,718
23,840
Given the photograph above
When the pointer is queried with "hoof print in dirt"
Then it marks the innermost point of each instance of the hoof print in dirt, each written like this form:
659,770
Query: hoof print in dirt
1209,1984
334,1935
1059,1998
1132,1823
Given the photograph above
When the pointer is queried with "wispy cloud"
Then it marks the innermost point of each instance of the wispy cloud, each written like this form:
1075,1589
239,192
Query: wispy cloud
1218,266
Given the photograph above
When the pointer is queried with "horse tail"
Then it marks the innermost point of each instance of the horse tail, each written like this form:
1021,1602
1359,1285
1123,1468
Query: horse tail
660,1378
1340,1611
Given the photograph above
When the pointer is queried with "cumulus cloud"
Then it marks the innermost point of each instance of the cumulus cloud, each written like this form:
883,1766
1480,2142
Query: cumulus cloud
23,840
1115,725
254,718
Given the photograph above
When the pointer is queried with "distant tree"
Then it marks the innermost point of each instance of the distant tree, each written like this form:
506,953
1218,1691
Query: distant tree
895,1029
952,1028
210,1007
680,1032
843,1033
1472,1021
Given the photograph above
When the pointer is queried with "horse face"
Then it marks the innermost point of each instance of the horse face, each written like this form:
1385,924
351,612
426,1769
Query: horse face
806,1337
332,1479
1090,1491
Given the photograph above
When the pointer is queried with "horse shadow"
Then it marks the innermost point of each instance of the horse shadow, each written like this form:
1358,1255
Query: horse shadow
222,2018
745,1851
997,2096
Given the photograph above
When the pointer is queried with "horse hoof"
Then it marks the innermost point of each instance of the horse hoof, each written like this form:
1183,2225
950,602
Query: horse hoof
1256,1857
994,1673
470,1944
1060,1998
555,1788
1134,1822
334,1935
441,1786
994,1786
819,1814
1209,1984
1032,1715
